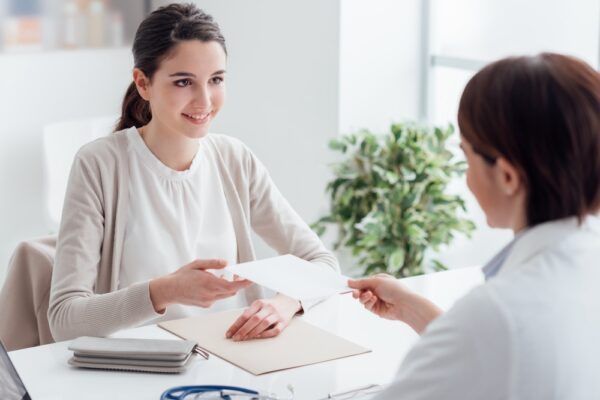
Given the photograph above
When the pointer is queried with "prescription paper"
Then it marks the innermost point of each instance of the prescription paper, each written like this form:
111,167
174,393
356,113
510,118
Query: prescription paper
293,276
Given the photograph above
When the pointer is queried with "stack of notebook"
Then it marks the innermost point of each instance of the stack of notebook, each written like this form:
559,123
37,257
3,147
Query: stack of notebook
143,355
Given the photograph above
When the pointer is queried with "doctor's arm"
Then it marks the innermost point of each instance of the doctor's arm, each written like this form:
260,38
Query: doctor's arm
385,296
464,354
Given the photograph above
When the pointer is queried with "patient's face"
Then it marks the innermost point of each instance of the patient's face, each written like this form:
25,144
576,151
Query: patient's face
188,89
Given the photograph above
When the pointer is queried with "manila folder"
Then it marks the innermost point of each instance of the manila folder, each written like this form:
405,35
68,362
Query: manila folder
299,344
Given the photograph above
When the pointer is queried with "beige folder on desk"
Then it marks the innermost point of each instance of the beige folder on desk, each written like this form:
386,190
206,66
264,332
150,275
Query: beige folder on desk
299,344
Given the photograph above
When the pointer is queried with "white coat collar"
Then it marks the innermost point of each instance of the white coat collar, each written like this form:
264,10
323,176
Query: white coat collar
538,238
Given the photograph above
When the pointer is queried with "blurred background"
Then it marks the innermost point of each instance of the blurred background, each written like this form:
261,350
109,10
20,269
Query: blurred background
299,74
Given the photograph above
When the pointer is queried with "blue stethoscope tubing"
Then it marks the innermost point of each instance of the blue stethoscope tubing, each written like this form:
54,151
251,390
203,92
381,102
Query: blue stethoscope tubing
181,392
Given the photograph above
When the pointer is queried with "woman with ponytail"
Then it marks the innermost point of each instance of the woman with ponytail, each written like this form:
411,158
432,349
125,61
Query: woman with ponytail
152,209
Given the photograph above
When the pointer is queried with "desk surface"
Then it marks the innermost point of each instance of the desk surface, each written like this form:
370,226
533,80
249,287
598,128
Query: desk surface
47,375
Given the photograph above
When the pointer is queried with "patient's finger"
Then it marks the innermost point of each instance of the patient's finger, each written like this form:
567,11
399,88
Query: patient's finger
250,324
274,331
253,309
267,323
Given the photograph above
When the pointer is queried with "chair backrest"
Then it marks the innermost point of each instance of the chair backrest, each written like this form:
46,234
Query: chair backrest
62,140
25,295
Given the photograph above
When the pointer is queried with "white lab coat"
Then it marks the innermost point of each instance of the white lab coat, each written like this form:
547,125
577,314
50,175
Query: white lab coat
530,332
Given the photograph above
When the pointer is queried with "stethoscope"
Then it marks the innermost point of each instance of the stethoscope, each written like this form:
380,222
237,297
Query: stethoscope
221,392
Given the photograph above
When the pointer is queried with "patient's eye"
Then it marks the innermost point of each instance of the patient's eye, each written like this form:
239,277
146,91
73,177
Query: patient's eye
183,82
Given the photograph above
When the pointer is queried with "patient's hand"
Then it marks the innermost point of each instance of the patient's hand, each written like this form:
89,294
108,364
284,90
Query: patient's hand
264,318
385,296
193,285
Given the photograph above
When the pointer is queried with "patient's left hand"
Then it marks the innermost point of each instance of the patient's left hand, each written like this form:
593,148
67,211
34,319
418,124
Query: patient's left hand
264,318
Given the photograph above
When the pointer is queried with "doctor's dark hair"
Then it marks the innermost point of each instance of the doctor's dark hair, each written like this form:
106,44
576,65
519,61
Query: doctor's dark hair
155,39
542,114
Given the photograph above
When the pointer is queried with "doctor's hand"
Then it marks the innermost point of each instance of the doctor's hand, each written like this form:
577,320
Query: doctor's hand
385,296
193,285
264,318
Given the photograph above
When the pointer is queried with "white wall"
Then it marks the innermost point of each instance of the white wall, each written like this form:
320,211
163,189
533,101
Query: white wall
380,46
37,89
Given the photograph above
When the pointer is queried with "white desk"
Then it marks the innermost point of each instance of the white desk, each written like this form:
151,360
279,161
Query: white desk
47,375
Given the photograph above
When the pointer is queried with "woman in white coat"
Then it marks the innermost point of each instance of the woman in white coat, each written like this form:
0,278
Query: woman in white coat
530,131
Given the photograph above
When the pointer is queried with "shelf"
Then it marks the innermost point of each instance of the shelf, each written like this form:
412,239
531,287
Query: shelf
60,52
47,26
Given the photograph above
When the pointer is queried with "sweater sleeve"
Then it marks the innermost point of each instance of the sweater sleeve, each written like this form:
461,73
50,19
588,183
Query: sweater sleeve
75,308
278,224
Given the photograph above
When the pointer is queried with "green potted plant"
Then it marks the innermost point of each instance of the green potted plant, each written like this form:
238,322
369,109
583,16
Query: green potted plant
389,198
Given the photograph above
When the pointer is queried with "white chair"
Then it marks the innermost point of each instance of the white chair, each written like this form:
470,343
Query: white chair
62,140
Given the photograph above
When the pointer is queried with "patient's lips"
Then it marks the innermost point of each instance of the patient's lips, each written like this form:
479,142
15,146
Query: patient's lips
197,118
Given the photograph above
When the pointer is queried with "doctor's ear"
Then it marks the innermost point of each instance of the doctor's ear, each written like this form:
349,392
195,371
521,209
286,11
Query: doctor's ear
508,177
142,83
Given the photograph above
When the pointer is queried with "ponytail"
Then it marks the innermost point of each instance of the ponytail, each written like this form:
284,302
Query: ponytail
135,110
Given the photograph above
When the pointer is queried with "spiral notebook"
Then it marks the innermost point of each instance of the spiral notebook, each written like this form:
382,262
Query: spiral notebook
298,345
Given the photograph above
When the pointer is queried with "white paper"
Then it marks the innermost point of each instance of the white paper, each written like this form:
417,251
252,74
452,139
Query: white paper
293,276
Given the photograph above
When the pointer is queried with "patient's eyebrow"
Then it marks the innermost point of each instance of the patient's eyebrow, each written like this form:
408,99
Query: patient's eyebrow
183,74
189,74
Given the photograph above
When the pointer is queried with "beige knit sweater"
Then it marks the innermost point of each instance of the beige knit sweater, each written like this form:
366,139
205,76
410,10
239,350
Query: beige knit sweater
84,299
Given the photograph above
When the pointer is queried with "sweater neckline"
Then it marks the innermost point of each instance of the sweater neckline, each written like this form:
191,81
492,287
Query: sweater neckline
152,162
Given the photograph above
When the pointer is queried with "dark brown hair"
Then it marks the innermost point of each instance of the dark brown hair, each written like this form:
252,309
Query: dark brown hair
155,38
542,114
